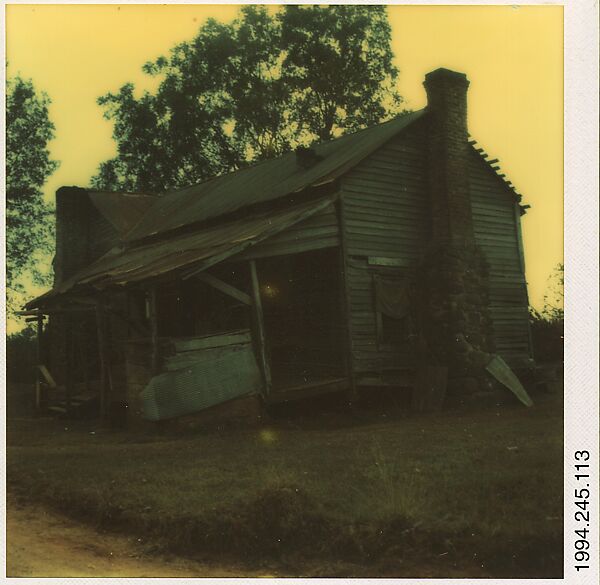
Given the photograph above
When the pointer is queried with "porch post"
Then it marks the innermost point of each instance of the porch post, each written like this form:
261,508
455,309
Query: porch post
39,356
70,364
260,327
154,330
101,330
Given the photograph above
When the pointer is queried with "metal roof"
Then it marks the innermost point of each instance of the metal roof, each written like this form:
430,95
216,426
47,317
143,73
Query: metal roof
197,250
122,210
265,181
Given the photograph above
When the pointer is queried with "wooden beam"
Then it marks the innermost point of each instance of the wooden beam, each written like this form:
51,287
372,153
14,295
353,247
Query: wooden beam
38,379
386,261
104,383
260,327
224,287
347,304
69,370
153,316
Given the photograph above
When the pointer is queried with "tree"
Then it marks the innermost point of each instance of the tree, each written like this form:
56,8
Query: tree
251,90
548,325
28,165
339,66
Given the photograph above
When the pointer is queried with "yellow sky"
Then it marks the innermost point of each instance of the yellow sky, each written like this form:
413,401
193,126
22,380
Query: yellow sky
512,55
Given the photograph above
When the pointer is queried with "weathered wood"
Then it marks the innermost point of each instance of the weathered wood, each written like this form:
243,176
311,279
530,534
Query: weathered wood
40,358
103,357
224,287
260,327
209,341
153,317
69,362
387,261
429,390
346,301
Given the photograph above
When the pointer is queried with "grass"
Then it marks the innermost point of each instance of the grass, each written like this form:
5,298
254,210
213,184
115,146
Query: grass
462,493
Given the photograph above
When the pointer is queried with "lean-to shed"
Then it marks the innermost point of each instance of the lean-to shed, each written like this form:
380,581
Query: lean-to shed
356,263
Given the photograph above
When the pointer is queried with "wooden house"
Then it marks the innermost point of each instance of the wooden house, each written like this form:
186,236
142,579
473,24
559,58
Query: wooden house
353,264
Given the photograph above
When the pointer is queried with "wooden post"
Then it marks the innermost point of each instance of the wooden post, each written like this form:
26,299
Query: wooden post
102,354
69,370
40,353
260,327
154,330
346,303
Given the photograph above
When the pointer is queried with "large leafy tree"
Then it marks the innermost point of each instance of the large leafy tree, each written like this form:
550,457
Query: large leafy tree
339,64
28,165
252,89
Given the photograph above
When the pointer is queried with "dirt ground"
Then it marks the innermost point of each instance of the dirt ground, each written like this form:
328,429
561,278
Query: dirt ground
42,543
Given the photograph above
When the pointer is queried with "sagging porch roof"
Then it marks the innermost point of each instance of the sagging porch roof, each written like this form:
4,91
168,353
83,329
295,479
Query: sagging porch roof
197,251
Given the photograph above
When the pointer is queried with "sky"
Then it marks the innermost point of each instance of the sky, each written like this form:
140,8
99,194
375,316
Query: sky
512,55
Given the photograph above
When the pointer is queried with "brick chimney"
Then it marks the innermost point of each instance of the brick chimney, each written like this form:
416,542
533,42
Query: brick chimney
454,274
448,152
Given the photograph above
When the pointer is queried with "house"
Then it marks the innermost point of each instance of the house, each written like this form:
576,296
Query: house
371,260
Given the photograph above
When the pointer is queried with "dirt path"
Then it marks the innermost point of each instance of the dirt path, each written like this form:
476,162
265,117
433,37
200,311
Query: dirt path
42,543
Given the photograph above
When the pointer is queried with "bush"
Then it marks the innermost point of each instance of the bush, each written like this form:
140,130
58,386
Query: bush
548,325
21,356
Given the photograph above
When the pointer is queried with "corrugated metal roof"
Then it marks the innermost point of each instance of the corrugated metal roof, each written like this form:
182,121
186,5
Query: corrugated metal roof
265,181
122,210
199,250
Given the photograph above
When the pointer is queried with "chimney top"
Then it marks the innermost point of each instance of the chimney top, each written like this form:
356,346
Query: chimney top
445,75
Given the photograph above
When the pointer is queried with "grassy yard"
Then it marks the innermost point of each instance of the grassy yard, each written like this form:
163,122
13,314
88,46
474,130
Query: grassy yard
462,493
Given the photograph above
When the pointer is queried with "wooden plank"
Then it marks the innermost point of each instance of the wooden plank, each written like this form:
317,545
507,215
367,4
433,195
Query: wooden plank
260,327
308,390
188,359
223,287
153,318
387,261
69,361
345,292
211,341
102,353
38,382
270,250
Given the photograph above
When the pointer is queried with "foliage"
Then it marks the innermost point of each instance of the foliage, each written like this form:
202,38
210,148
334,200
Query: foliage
21,351
250,90
547,325
28,165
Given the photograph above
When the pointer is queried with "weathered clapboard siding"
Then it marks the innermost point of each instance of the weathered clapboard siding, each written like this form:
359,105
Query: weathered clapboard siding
319,231
384,213
495,220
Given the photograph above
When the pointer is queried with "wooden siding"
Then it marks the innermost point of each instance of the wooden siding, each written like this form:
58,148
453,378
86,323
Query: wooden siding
385,215
317,232
385,211
495,221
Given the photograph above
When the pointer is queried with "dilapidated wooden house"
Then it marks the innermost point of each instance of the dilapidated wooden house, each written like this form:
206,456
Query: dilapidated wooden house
356,263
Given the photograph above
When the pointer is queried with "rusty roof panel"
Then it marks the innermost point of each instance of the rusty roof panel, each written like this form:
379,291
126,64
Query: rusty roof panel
265,181
199,250
122,210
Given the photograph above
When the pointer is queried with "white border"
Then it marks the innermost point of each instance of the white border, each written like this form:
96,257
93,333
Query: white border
581,278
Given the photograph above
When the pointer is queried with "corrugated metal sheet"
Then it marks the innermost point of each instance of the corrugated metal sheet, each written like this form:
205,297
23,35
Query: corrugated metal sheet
201,249
319,231
216,375
122,210
265,181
